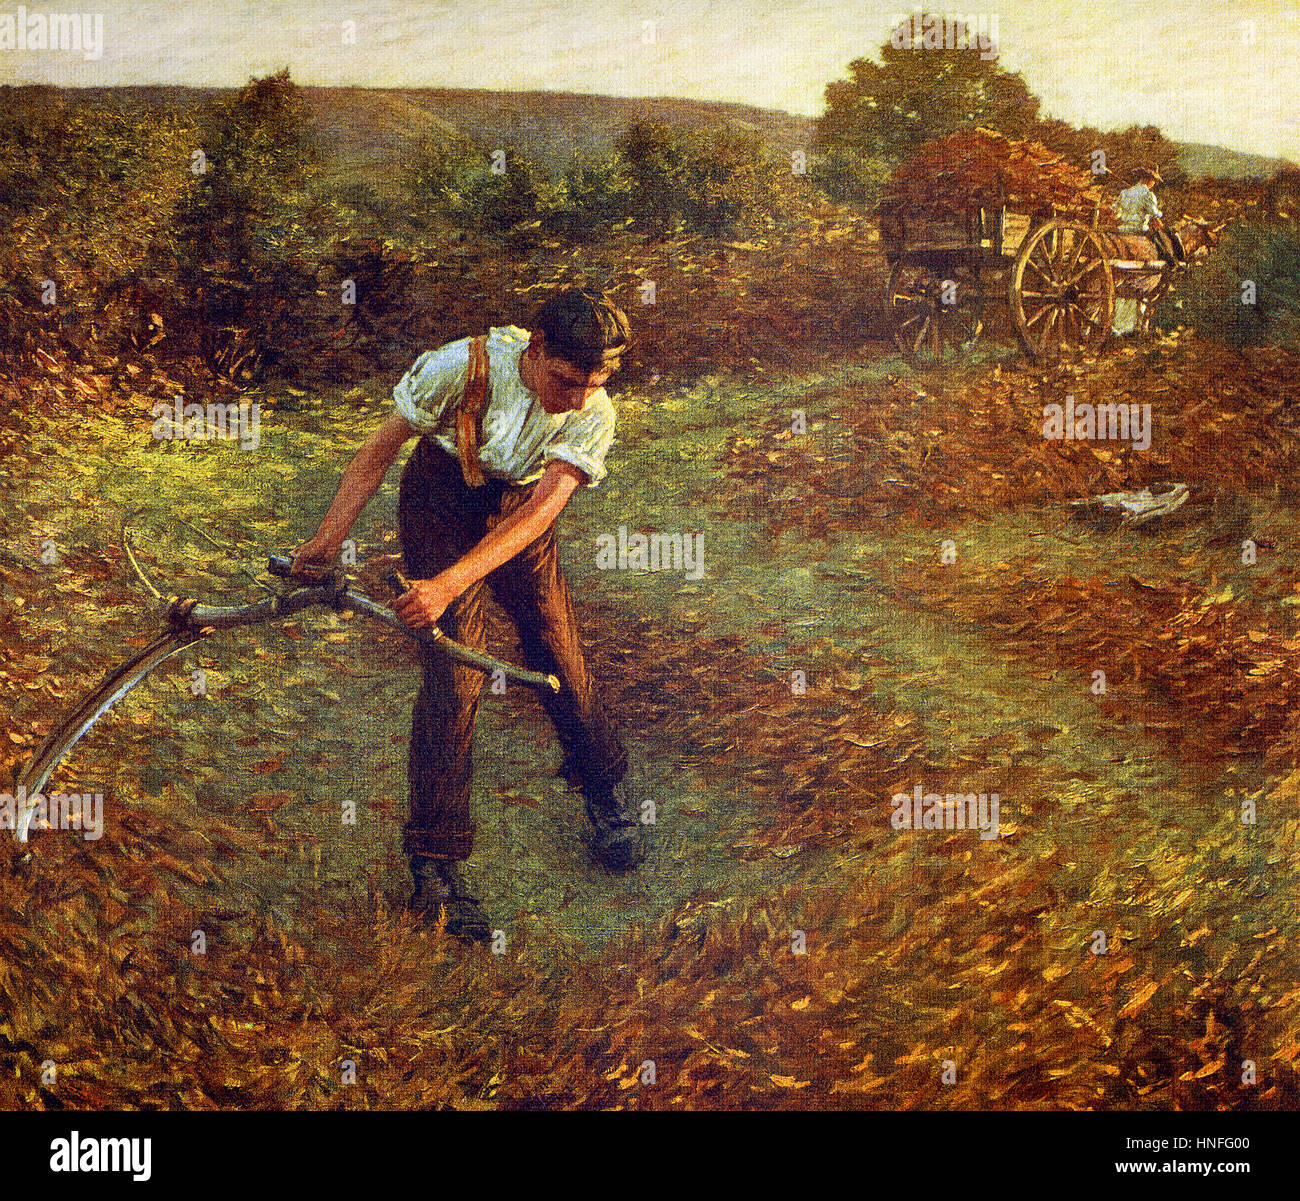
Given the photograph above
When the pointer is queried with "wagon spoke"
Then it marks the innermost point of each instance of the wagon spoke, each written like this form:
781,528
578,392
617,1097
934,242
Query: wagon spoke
1063,337
1052,247
1078,250
1066,337
1049,327
1060,291
1046,276
926,330
1092,265
1092,321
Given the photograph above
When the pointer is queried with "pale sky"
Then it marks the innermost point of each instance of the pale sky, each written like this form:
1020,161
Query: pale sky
1203,71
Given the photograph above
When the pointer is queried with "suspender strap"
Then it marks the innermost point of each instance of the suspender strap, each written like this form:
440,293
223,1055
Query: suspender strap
472,404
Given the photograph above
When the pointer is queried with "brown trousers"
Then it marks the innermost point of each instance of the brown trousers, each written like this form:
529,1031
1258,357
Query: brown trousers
440,518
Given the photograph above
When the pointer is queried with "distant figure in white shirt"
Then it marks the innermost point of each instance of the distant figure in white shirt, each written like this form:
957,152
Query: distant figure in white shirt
1139,213
1137,208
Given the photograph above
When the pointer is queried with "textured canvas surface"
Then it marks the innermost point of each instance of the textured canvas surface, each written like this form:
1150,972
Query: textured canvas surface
941,588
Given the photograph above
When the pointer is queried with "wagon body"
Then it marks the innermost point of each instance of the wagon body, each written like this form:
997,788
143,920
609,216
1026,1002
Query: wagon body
979,234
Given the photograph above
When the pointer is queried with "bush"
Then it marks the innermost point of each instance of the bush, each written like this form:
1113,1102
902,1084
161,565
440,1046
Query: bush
87,192
455,181
597,191
1210,296
730,183
437,177
498,202
251,232
851,177
659,179
715,182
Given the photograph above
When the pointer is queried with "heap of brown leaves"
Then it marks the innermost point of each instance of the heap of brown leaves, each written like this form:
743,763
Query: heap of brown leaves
1211,672
816,764
971,168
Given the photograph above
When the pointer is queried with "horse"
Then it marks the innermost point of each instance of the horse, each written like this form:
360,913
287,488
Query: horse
1144,271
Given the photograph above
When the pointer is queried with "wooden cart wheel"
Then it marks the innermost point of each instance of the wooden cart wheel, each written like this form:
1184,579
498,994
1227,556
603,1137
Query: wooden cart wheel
1061,293
936,315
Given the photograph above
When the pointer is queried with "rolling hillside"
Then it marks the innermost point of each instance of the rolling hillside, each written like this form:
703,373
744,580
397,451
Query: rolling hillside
1199,158
367,133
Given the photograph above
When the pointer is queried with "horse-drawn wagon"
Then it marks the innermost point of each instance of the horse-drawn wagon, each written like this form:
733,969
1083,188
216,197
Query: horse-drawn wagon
980,220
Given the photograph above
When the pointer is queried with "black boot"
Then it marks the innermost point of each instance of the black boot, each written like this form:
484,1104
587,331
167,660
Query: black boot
439,886
619,843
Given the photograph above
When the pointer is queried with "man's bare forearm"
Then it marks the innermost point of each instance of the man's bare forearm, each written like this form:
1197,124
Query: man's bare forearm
360,482
524,526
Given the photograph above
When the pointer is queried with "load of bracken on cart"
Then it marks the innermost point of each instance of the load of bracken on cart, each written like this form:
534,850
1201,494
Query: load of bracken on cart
979,219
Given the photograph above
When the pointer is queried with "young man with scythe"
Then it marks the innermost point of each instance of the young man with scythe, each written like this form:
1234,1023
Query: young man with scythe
512,423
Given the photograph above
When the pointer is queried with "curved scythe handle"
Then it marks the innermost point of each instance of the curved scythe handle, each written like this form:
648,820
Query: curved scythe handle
349,598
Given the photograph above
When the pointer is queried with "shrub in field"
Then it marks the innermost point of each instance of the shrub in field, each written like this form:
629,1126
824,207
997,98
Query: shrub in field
504,191
388,301
437,176
654,157
494,190
87,189
251,230
713,182
851,176
658,179
597,191
34,137
1282,195
731,184
1218,300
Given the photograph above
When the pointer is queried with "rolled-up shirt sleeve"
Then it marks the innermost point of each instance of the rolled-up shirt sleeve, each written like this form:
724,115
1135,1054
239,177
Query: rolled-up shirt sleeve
584,440
435,378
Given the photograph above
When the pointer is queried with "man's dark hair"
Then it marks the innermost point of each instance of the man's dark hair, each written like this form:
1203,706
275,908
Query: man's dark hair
584,328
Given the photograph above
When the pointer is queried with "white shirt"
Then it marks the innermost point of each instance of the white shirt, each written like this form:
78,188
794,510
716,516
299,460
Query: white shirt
1135,208
519,436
